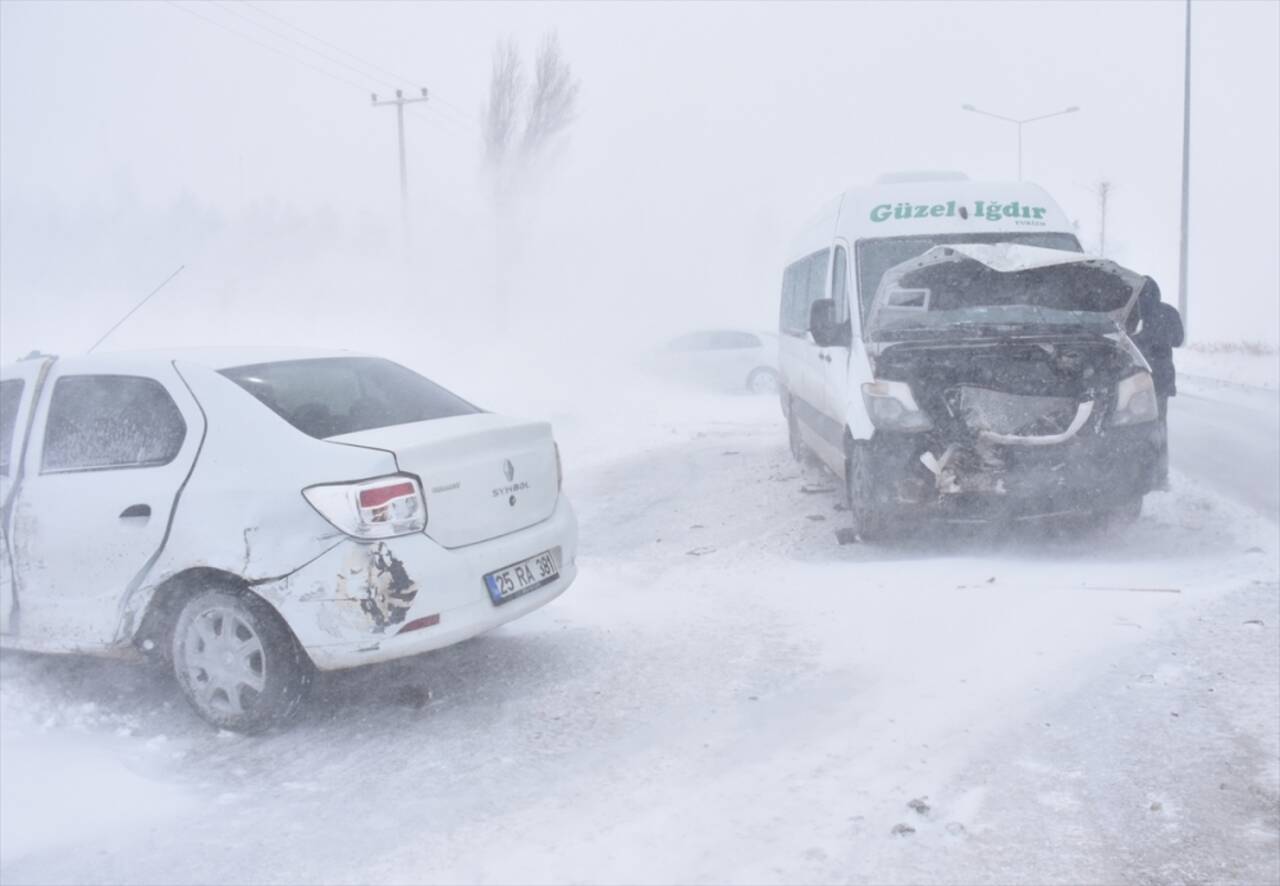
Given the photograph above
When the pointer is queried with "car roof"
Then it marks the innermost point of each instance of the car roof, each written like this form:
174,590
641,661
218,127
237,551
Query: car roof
214,358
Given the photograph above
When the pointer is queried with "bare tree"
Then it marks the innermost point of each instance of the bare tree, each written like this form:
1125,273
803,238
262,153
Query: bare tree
553,104
519,125
506,92
538,115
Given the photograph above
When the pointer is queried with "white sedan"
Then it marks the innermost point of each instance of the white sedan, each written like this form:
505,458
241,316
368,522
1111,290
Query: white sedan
725,359
254,514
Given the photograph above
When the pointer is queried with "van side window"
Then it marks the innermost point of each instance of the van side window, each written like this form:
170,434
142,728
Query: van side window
803,283
110,421
817,280
793,295
10,398
840,284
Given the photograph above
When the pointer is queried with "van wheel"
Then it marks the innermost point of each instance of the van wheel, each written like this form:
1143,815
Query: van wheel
1124,514
799,451
763,381
237,662
867,516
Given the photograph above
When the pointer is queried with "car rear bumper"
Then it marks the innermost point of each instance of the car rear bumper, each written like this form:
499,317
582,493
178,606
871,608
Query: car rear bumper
365,602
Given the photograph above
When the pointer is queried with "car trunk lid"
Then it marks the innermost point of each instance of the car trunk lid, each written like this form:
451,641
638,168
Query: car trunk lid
483,475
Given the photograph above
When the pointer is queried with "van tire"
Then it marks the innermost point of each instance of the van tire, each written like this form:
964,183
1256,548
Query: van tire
799,451
1124,514
866,514
237,662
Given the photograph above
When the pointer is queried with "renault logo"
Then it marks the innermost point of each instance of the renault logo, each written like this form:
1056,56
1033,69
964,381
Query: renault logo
509,470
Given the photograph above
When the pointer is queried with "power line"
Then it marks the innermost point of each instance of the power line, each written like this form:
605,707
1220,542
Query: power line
402,80
268,46
337,61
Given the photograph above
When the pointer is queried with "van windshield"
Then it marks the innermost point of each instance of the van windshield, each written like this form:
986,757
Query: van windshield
877,256
330,396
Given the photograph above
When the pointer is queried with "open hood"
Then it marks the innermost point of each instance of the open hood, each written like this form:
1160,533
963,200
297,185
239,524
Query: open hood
977,287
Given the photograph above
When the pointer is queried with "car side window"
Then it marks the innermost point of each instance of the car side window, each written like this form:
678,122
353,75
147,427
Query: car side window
110,421
730,340
840,284
10,399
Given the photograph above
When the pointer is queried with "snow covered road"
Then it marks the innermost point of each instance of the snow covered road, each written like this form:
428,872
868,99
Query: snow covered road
725,695
1225,436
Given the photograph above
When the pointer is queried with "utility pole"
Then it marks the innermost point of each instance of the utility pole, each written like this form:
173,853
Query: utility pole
400,101
1186,176
1103,189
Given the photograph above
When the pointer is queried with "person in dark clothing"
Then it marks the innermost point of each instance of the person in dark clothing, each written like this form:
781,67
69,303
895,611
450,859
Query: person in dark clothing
1159,333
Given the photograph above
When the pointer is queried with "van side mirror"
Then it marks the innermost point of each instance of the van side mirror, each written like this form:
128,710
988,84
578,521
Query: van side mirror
822,323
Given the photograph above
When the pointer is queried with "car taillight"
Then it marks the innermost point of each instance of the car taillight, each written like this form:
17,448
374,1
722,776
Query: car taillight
559,469
380,508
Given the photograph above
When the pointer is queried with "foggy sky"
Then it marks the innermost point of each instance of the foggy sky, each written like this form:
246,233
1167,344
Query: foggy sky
707,133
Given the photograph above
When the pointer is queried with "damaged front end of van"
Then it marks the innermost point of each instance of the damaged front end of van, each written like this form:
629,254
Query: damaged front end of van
1005,386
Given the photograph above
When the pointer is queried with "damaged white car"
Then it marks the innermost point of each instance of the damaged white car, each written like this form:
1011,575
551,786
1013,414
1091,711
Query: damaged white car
255,514
969,363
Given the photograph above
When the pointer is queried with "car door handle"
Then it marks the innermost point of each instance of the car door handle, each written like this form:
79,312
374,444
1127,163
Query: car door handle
136,511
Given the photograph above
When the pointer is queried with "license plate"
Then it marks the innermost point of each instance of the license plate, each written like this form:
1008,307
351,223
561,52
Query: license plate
521,578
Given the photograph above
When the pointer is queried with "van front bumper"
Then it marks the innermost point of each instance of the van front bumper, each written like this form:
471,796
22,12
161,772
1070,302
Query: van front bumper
364,602
1091,472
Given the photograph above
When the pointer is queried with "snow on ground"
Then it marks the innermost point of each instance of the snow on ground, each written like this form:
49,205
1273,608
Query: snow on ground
1254,366
725,695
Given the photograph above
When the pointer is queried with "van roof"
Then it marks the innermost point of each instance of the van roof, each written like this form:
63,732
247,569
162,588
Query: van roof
948,206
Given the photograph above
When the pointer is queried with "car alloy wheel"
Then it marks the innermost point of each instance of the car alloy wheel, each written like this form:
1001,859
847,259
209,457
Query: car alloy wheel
237,662
224,661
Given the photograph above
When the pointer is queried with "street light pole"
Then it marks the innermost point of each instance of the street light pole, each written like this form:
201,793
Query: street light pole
1020,123
1186,176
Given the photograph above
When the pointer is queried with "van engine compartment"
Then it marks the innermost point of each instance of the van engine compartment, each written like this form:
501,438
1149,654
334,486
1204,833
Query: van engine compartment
1023,421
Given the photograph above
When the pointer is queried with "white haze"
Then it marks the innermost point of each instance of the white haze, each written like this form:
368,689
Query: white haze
137,137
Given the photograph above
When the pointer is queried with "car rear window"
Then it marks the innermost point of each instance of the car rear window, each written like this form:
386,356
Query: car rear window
331,396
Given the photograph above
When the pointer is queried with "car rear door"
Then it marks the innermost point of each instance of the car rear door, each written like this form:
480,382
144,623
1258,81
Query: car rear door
112,442
19,384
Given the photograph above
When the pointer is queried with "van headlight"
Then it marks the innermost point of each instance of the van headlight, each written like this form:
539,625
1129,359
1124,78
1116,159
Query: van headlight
892,407
1135,400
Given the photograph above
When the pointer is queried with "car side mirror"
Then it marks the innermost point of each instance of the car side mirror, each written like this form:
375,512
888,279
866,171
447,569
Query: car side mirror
822,323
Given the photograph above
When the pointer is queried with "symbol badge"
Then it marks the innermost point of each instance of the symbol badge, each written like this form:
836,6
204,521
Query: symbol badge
509,470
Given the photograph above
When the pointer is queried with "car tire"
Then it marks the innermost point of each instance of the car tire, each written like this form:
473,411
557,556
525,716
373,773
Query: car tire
237,662
867,518
763,381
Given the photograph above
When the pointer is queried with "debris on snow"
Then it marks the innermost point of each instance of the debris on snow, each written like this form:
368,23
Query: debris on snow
919,806
901,829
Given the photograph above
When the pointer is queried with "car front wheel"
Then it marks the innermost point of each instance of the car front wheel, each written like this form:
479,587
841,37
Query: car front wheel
237,662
